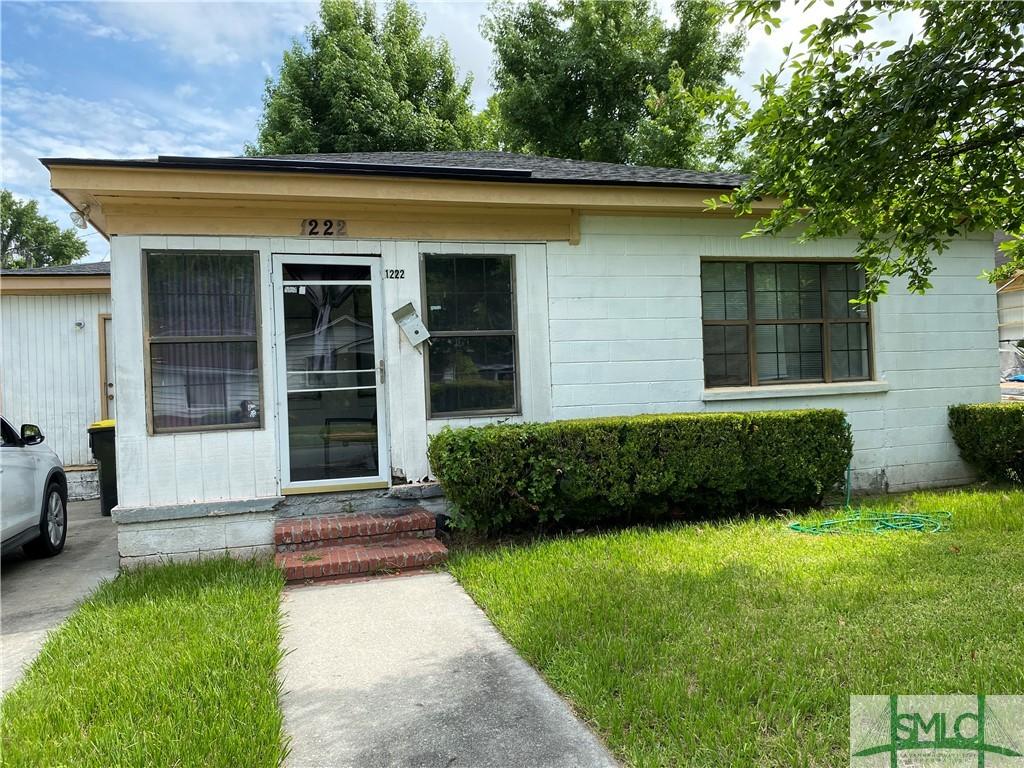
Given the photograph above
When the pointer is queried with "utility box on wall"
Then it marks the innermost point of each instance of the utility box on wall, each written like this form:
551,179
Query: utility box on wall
409,321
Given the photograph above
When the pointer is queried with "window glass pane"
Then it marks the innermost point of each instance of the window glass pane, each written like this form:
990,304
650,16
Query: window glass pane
201,294
714,305
712,276
788,277
725,355
204,383
328,331
469,293
844,282
724,291
472,373
849,343
735,276
764,277
787,291
332,434
789,352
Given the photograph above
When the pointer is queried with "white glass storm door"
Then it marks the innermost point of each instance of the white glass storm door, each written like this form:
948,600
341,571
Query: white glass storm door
332,427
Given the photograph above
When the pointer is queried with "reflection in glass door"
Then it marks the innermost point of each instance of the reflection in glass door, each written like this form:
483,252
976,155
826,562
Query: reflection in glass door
330,360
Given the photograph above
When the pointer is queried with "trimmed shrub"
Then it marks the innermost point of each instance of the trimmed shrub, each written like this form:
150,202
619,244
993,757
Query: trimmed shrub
507,476
990,437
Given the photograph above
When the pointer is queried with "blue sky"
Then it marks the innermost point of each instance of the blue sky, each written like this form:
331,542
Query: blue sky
138,79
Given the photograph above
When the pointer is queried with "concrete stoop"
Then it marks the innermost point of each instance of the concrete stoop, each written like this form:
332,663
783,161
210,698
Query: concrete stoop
346,545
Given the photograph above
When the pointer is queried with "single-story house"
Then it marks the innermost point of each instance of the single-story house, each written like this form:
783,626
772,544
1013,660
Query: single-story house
57,359
271,315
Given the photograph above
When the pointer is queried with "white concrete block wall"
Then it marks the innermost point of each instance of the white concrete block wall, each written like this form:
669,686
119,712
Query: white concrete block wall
626,338
242,535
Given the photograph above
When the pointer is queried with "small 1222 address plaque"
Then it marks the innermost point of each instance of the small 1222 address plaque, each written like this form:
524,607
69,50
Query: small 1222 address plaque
323,228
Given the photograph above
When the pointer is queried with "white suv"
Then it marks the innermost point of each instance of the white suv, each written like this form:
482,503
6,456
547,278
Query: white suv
33,493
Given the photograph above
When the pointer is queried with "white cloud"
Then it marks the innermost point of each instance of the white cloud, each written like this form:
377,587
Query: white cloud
75,16
185,91
208,35
37,123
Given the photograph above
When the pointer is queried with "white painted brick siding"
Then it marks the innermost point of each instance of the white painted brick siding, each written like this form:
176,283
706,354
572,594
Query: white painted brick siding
608,327
626,338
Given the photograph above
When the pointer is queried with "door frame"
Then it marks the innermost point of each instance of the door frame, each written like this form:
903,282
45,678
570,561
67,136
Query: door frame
102,319
383,477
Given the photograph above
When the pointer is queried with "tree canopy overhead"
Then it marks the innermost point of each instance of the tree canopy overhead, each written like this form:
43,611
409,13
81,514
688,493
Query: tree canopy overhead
29,239
906,145
609,80
362,83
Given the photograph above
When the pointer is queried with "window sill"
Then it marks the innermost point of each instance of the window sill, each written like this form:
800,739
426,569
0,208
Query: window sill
794,390
456,415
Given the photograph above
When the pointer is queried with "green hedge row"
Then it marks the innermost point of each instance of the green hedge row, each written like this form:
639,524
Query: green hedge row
991,438
514,476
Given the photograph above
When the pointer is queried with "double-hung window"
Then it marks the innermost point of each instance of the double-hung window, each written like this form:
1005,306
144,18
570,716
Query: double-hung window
470,313
202,340
783,322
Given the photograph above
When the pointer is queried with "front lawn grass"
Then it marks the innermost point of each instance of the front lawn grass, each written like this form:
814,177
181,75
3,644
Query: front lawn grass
740,643
173,665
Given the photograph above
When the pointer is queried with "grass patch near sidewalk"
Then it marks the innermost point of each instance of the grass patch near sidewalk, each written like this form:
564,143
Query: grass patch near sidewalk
739,643
170,665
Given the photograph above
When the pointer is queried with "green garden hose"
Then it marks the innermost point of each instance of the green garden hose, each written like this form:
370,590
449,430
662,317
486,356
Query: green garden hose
873,521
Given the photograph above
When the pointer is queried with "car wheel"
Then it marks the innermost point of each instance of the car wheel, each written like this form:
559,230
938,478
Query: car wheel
53,527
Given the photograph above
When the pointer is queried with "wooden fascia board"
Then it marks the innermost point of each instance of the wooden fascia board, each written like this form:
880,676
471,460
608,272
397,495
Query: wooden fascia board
36,285
241,185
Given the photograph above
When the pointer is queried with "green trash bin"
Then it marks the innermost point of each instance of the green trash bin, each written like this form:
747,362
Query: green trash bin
101,442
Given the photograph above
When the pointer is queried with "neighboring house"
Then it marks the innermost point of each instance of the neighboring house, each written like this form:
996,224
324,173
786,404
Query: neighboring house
258,359
1010,299
56,362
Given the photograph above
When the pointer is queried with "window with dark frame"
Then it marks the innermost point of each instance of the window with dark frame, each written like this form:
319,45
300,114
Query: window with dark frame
783,322
202,339
470,313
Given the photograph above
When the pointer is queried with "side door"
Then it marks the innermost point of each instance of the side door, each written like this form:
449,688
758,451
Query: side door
108,408
20,502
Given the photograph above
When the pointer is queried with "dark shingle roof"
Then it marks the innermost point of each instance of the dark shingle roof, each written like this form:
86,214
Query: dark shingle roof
543,168
480,165
80,269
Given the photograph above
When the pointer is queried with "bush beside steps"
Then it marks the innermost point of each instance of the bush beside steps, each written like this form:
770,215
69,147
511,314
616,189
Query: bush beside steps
513,476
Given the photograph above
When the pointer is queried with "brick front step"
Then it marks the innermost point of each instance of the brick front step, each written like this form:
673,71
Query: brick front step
352,560
306,533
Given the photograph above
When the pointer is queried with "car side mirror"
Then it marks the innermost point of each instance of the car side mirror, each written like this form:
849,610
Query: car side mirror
31,434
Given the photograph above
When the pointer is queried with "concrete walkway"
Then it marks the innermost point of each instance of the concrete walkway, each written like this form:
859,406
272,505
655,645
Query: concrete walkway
409,673
37,595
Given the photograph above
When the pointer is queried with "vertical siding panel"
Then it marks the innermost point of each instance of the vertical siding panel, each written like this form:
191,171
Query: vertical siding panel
538,375
215,465
129,371
163,470
240,470
188,459
50,369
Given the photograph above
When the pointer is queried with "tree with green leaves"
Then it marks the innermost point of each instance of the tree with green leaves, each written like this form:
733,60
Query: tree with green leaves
366,83
609,80
906,146
29,239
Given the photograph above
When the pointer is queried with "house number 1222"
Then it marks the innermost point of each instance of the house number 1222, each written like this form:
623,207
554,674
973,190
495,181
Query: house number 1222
394,274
